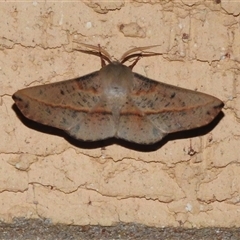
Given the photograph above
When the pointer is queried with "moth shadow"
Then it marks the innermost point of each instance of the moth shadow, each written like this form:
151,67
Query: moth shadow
104,143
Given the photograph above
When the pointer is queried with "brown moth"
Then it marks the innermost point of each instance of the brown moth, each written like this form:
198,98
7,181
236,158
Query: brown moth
116,102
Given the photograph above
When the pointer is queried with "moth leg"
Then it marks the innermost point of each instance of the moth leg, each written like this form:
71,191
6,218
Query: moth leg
103,63
135,61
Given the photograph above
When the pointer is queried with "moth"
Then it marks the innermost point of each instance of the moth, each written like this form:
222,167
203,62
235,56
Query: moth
116,102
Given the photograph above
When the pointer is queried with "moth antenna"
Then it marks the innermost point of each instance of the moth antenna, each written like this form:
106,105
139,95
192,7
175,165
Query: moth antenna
130,52
98,51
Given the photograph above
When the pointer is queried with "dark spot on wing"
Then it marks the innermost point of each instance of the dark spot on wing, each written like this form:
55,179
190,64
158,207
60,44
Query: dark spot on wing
173,95
62,92
48,110
183,104
64,120
26,105
182,114
167,104
15,98
219,106
74,114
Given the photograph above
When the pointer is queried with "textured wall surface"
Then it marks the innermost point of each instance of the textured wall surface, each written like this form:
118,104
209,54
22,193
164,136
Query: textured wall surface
190,179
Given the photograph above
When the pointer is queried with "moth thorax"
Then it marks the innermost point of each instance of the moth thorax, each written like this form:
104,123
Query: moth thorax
116,79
